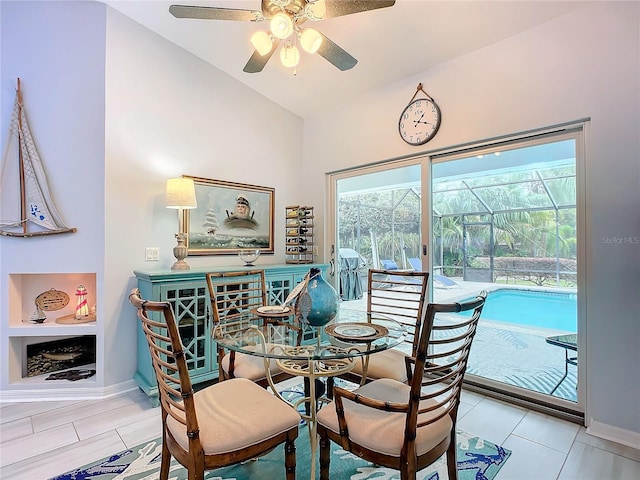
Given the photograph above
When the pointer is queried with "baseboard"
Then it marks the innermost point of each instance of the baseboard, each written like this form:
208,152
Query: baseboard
614,434
69,393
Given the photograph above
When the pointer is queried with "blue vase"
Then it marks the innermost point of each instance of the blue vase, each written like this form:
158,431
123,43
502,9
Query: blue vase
324,299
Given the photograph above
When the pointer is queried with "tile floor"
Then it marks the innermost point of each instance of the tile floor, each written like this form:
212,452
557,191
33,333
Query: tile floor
43,439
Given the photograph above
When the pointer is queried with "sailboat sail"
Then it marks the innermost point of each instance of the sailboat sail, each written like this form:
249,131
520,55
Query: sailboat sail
37,206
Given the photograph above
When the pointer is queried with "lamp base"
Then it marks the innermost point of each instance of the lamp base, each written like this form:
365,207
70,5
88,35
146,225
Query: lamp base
180,265
180,252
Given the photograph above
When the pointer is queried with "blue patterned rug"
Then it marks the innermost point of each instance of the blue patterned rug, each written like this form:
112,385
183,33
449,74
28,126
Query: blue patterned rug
477,460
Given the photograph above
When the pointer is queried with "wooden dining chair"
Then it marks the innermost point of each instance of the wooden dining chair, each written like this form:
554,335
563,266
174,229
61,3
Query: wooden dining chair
400,296
232,296
223,424
408,426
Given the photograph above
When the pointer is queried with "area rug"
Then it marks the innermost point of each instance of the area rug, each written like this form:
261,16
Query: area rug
478,459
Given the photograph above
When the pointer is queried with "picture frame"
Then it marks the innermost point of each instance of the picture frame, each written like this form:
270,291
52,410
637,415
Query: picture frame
229,217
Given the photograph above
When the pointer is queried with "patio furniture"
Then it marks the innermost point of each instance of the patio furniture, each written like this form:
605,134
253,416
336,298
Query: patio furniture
439,281
568,342
408,426
223,424
350,263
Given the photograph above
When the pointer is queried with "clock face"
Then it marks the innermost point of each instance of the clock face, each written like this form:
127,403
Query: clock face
419,121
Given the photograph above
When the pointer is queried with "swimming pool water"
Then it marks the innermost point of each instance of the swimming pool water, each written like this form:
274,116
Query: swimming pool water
557,311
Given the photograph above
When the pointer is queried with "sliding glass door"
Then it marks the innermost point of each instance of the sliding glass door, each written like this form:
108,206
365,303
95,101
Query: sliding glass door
505,218
378,224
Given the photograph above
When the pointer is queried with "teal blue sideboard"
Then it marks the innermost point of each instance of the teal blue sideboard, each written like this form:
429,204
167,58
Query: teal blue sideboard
187,292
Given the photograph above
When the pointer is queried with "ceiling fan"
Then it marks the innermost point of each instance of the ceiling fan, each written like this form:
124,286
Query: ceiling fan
286,19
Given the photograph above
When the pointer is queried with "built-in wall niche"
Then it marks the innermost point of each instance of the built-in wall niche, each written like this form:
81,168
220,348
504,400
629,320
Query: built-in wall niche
67,358
23,333
25,288
27,351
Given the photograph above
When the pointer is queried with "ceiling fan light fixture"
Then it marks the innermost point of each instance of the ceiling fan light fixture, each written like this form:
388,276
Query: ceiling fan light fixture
310,40
315,10
262,42
281,25
289,55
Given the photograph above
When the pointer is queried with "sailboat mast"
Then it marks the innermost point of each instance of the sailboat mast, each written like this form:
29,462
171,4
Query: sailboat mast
23,203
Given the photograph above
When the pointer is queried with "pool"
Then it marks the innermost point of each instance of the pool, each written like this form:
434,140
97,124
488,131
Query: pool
533,308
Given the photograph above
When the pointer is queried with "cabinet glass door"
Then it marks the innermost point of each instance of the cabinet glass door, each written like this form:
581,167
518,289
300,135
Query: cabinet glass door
191,308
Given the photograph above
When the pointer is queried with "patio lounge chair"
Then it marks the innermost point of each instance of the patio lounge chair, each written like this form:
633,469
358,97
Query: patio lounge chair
439,281
391,266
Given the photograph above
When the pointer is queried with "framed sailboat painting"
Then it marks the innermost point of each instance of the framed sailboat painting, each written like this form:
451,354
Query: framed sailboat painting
229,217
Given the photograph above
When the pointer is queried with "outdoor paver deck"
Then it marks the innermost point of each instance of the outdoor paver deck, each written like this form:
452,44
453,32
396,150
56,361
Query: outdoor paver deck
513,354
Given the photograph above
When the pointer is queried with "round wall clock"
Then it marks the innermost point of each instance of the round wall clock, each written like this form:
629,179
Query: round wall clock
420,119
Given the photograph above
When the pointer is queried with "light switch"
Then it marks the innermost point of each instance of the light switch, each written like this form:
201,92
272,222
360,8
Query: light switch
152,254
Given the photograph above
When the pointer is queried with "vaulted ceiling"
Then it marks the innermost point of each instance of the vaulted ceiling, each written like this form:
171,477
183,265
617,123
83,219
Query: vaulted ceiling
390,44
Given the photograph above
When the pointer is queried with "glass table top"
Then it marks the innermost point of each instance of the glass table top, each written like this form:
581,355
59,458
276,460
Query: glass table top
353,333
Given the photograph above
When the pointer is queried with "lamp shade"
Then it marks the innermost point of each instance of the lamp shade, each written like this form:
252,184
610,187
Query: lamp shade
289,55
310,40
281,25
261,41
181,193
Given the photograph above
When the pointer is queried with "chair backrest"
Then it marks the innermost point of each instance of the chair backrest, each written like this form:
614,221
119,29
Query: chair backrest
401,297
415,263
437,371
169,364
389,264
234,294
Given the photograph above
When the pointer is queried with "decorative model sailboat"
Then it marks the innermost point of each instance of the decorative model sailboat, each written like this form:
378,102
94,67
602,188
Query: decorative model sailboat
36,205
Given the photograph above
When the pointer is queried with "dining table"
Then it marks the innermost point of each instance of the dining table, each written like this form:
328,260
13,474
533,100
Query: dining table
351,336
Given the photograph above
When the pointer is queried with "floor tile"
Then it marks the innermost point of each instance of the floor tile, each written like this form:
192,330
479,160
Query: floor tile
613,447
37,443
61,460
15,429
530,461
585,462
491,420
463,409
549,431
60,416
15,411
142,431
471,398
113,419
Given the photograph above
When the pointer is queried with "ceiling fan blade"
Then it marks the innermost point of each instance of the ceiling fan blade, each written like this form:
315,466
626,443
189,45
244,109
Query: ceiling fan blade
338,8
257,62
335,54
214,13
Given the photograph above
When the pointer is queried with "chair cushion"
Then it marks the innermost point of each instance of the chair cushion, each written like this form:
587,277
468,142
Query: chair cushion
386,364
249,366
382,431
235,414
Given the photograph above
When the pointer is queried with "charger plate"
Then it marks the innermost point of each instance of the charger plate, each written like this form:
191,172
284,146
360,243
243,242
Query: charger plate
277,309
356,332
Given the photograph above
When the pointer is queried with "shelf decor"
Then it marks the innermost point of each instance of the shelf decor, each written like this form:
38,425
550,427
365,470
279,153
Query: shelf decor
229,217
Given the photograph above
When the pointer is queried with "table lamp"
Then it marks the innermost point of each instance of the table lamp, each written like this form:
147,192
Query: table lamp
181,195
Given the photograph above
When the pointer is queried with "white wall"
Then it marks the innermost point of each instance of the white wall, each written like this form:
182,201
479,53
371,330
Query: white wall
585,64
58,53
116,110
168,113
